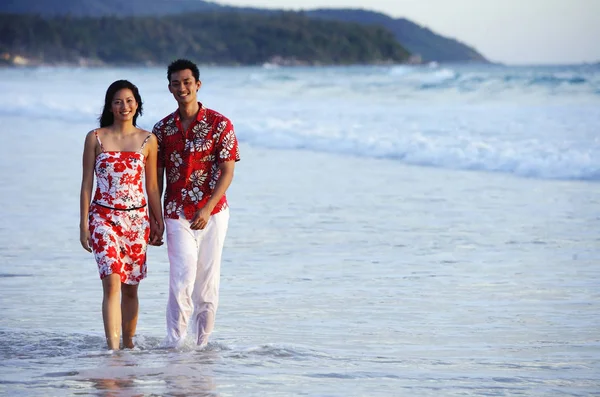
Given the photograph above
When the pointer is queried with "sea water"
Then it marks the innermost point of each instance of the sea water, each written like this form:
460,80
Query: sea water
395,231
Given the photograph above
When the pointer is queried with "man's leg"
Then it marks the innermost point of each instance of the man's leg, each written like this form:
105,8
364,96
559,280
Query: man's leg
183,258
206,289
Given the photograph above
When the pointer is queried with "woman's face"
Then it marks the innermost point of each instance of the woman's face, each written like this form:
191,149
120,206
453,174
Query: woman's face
123,105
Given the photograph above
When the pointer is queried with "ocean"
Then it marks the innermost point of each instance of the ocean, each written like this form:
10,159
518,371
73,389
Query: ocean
395,231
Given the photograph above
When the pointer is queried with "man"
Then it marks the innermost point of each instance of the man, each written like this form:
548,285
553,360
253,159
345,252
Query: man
197,151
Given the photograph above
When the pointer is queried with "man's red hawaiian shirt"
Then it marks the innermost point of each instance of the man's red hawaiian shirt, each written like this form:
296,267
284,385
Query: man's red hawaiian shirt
191,160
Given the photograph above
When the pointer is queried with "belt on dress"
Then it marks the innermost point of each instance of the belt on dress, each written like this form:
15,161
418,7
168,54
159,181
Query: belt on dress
118,209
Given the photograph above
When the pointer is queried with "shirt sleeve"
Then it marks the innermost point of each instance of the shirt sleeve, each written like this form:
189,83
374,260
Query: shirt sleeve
160,160
227,145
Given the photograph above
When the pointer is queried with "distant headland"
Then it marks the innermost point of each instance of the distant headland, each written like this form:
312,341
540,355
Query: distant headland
146,32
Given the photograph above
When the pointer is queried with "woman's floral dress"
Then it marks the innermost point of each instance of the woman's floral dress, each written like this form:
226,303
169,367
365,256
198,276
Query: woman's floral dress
118,217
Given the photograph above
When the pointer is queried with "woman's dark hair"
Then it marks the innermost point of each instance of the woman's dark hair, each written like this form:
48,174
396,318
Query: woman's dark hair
107,117
183,64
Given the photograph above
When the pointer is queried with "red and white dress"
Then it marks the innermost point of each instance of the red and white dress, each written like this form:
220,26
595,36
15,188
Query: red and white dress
118,216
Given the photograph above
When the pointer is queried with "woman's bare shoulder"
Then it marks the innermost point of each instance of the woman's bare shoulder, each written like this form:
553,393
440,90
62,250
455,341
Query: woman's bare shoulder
92,134
91,142
145,134
101,131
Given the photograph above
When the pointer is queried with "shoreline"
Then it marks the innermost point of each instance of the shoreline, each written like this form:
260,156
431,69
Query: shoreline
22,62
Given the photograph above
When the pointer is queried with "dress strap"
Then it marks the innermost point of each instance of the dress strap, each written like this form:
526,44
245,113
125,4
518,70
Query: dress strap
145,141
98,139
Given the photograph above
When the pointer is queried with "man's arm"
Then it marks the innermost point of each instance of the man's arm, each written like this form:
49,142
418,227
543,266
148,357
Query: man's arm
201,217
160,172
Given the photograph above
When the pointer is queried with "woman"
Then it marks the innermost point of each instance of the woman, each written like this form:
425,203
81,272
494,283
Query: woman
115,226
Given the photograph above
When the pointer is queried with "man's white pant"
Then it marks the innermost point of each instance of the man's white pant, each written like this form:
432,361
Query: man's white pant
195,271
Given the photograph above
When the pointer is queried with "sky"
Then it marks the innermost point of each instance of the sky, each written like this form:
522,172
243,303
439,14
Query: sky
507,31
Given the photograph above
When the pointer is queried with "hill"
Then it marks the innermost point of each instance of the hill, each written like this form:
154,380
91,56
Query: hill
99,8
209,37
419,41
415,38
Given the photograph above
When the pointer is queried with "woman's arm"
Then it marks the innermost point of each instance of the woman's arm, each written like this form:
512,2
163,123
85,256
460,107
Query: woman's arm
87,182
153,191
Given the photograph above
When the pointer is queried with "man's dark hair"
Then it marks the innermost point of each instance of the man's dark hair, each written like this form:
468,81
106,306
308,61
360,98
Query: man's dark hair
183,64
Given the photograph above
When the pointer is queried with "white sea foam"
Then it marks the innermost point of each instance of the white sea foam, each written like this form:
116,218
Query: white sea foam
528,158
534,122
401,70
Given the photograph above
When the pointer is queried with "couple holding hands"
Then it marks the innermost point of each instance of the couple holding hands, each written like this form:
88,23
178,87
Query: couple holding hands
195,149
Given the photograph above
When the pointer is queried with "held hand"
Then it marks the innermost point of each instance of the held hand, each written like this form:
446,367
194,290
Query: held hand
157,230
200,219
85,239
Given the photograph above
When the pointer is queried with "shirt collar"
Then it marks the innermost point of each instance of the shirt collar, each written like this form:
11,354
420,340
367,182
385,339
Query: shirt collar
199,116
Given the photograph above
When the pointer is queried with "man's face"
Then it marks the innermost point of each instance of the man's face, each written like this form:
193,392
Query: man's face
184,86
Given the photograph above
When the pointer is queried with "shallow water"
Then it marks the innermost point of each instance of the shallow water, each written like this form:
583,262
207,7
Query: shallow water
344,274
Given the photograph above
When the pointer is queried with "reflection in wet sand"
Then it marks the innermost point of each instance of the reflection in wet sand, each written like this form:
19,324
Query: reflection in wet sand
156,372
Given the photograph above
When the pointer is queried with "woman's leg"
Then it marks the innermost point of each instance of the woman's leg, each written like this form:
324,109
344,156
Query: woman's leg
111,310
129,310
